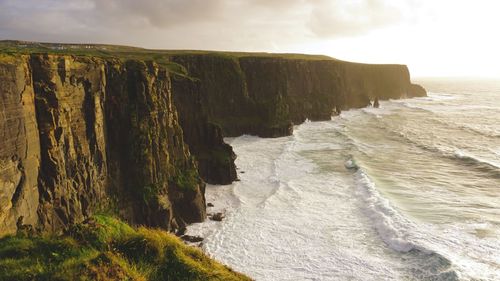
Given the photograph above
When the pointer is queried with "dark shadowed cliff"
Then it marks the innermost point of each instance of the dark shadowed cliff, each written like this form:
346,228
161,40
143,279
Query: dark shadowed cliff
138,130
266,96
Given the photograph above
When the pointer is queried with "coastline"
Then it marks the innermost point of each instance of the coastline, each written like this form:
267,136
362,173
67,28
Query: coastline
322,226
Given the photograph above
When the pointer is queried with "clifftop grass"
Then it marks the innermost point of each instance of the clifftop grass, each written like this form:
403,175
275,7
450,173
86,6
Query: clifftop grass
126,52
104,248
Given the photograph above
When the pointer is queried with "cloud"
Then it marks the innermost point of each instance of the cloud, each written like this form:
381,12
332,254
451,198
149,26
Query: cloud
41,20
227,24
352,17
158,13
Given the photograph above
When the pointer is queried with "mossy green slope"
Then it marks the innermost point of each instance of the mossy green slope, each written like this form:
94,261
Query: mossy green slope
104,248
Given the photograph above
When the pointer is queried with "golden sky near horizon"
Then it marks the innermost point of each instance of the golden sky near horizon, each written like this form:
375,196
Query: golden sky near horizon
434,38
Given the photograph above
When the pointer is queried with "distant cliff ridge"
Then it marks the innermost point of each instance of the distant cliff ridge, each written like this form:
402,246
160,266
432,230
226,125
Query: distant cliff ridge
140,131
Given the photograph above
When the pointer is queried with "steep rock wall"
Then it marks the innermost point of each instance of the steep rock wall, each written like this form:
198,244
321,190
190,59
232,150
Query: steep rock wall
148,158
19,144
69,95
363,83
266,96
83,133
205,139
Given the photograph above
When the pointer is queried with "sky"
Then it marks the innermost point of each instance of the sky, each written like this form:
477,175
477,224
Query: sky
433,37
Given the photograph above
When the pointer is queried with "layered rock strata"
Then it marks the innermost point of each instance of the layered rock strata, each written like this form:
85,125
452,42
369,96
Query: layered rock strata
83,134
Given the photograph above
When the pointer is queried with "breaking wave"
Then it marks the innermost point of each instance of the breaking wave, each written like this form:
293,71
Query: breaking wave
397,233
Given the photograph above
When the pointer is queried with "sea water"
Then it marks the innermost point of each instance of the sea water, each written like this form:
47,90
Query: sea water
407,191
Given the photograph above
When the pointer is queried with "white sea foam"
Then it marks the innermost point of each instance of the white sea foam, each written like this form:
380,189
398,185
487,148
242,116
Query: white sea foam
390,225
414,210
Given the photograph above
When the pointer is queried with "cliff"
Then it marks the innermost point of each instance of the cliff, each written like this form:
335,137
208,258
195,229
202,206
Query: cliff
80,134
263,95
137,130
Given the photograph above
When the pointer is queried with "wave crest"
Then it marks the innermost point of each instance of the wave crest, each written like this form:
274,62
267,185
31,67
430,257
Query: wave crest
397,233
451,153
388,223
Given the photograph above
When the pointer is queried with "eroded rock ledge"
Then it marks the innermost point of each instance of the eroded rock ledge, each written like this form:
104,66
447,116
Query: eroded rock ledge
81,134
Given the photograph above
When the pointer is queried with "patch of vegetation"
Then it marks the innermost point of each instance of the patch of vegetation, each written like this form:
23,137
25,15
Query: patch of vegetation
7,57
149,193
104,248
186,179
219,155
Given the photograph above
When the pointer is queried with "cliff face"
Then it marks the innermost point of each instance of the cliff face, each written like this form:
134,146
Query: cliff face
82,134
68,98
19,145
365,82
266,96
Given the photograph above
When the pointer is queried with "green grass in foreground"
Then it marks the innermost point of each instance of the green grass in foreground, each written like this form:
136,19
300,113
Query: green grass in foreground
105,248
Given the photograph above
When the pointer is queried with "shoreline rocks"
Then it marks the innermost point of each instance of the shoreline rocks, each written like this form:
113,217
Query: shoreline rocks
192,238
217,216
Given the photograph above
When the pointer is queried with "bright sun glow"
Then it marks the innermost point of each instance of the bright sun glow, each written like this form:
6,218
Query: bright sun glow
448,38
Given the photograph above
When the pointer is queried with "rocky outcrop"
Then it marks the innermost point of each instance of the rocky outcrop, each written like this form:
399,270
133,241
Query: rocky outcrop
416,91
84,133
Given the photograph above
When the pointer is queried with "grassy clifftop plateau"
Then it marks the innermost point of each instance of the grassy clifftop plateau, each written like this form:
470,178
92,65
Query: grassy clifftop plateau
127,52
104,248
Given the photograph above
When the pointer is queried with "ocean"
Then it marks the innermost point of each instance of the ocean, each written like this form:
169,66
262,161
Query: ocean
407,191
